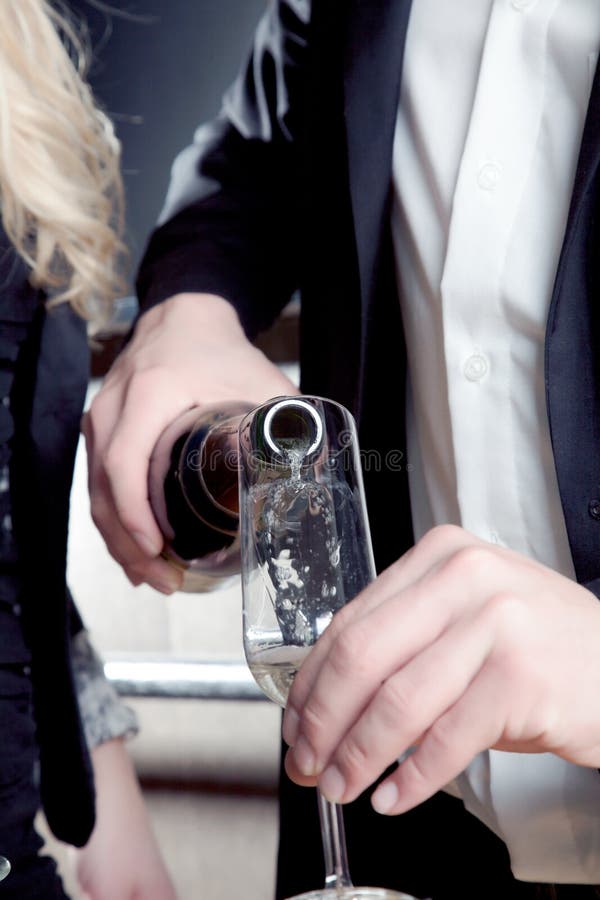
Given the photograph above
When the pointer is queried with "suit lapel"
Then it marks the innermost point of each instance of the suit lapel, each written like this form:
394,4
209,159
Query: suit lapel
587,169
572,338
374,47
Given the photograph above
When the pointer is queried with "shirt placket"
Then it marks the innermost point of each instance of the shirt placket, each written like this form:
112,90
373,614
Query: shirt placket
492,177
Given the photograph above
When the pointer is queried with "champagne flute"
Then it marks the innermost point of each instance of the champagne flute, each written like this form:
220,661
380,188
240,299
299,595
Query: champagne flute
306,551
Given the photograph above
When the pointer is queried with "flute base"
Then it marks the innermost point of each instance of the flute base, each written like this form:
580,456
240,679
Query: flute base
353,893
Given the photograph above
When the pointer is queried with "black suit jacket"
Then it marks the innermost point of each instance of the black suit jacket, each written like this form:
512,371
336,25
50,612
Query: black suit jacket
290,189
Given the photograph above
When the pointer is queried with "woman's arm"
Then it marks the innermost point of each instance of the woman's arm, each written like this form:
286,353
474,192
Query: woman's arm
122,860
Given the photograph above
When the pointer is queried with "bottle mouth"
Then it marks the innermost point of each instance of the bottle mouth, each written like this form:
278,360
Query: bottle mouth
293,426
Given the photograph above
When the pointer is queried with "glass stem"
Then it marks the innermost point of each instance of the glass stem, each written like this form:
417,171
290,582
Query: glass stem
337,874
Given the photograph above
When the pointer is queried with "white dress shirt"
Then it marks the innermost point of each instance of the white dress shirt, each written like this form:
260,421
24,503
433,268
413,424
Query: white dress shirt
491,115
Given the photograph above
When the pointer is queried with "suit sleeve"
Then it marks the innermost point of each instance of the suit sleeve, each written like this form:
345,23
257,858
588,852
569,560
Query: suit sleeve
231,221
594,587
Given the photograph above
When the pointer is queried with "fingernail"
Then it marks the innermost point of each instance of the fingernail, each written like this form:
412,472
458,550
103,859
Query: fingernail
166,584
304,757
145,543
332,784
291,720
385,797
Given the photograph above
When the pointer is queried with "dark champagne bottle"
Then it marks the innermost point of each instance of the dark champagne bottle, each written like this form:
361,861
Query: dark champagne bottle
194,473
193,491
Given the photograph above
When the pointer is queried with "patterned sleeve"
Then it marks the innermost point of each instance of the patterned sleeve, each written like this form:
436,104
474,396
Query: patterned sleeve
103,713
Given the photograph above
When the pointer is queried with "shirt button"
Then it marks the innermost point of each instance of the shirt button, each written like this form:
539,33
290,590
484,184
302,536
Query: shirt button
4,867
475,367
594,509
521,4
489,176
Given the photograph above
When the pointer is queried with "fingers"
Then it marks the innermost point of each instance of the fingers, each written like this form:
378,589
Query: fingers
120,431
447,748
406,705
147,408
188,351
138,566
376,633
295,774
483,649
386,672
365,656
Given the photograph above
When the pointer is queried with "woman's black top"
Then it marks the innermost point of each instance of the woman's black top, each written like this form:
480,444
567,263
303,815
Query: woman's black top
44,370
17,314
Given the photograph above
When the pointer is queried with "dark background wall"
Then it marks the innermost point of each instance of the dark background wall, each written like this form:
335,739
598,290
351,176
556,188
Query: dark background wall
160,69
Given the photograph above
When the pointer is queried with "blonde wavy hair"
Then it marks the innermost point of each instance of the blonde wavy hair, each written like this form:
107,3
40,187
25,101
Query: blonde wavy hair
61,195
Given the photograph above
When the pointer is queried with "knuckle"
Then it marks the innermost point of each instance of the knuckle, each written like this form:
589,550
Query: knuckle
85,426
396,704
340,621
314,719
350,655
96,404
441,536
112,458
353,757
98,508
300,684
342,618
128,522
470,561
508,614
97,515
441,736
101,402
415,775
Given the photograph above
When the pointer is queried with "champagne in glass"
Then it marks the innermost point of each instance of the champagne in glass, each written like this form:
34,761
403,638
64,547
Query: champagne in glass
306,551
